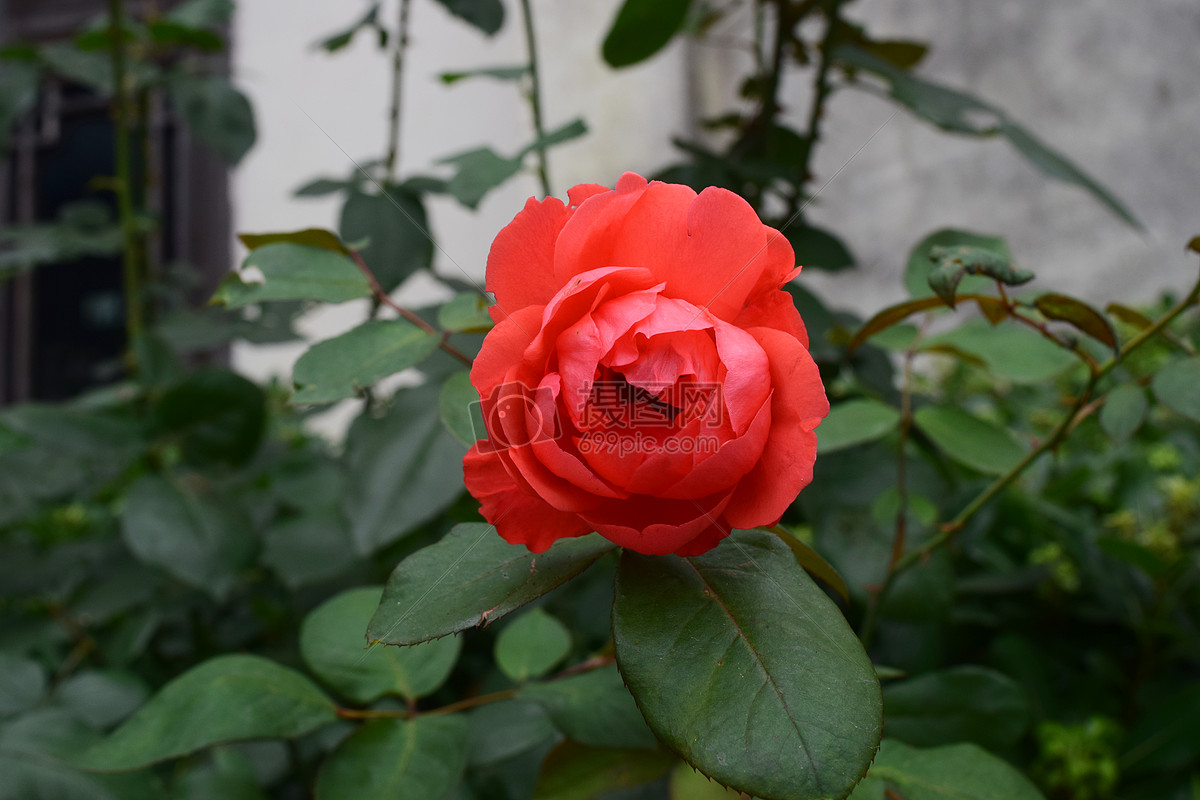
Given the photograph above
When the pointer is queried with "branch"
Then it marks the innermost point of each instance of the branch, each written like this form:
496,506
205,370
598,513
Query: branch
535,100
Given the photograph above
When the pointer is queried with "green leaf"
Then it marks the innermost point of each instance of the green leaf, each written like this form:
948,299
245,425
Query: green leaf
320,187
920,261
688,784
736,657
1194,244
333,643
1177,386
513,73
292,271
460,410
500,731
386,758
342,38
593,708
216,113
172,34
564,133
194,538
855,422
102,698
227,698
397,228
22,684
641,29
817,248
890,316
218,415
229,776
1013,353
345,365
470,578
960,704
531,645
954,263
466,313
309,549
954,772
91,69
576,772
1055,165
957,112
1134,554
1165,737
486,15
969,440
1123,411
1064,308
477,172
402,469
813,562
309,237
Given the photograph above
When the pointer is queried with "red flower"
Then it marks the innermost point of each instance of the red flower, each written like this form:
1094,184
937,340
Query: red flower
647,377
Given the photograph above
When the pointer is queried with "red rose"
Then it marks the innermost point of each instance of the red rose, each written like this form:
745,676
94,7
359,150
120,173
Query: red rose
647,377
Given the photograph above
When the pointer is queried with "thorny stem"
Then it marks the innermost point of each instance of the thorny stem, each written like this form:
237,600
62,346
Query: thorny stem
821,91
535,92
393,153
131,260
593,663
382,297
949,530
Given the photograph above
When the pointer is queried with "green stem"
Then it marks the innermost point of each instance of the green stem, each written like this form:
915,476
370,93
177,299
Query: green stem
535,92
123,186
393,152
821,90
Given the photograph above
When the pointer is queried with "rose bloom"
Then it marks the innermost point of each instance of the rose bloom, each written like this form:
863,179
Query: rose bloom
647,377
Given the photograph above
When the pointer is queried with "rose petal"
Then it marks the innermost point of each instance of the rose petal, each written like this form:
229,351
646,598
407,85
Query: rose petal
520,265
677,522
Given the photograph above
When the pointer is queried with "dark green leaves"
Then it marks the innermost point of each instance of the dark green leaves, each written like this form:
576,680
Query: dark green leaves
1079,314
970,440
486,15
334,645
18,92
593,708
228,698
961,704
289,271
22,684
342,38
921,260
217,415
855,422
190,535
459,405
953,263
954,772
1123,411
472,577
397,758
396,229
216,113
746,669
345,365
309,237
818,249
479,171
641,29
1177,386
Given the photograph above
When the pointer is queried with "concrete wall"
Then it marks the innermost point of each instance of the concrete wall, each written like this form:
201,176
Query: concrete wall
1110,83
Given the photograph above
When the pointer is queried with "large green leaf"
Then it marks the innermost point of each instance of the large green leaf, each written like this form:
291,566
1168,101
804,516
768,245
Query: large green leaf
345,365
855,422
954,772
403,469
193,537
960,704
1177,386
593,708
460,408
743,666
970,440
392,758
477,172
290,271
228,698
1123,411
216,113
1010,352
532,645
472,577
396,228
102,698
958,112
333,642
309,549
641,29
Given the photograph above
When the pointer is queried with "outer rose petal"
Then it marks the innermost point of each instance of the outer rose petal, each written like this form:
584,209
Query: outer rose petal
774,309
520,265
503,348
786,466
519,516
